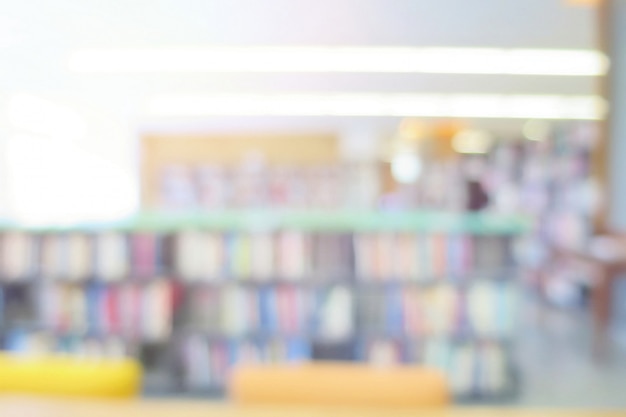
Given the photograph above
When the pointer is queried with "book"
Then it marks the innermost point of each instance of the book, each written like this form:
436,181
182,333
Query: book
293,257
79,255
18,255
111,256
262,256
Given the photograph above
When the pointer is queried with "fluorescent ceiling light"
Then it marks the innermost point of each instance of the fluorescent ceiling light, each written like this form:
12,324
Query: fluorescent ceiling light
537,130
393,105
342,60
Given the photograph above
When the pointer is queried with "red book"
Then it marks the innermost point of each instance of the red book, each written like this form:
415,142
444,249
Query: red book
112,307
135,311
143,255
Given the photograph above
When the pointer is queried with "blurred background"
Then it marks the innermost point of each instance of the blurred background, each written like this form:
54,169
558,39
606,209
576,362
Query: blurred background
199,184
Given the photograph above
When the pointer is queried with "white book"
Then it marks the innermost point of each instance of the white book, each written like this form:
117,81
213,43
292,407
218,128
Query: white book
262,253
233,301
213,254
112,260
482,308
189,256
156,318
364,255
52,257
444,302
461,371
17,255
293,253
79,256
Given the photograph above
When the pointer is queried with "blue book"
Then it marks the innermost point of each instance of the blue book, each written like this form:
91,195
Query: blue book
264,309
93,307
233,352
230,243
274,319
298,350
394,314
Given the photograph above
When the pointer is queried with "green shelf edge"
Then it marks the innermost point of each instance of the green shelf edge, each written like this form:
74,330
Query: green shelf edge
329,221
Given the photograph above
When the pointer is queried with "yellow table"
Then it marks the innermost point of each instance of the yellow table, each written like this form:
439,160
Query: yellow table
31,407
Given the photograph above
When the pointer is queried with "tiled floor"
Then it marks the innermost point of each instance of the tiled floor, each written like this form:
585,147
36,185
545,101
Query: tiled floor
557,366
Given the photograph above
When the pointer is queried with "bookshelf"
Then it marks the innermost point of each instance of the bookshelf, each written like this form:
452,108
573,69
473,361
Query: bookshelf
193,294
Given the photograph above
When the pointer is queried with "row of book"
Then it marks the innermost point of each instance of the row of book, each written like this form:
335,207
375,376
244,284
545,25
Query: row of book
406,256
369,256
206,363
282,310
211,187
485,309
286,255
147,311
473,368
135,312
76,256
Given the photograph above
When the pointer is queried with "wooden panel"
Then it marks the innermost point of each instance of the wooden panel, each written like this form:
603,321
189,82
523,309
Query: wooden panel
159,151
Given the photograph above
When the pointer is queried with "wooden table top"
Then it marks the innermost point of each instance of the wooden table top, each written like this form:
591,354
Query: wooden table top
37,407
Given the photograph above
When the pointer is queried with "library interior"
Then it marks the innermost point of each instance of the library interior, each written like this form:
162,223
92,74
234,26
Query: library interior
349,207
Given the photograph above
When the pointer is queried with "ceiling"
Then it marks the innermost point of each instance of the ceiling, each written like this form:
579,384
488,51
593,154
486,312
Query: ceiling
37,37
